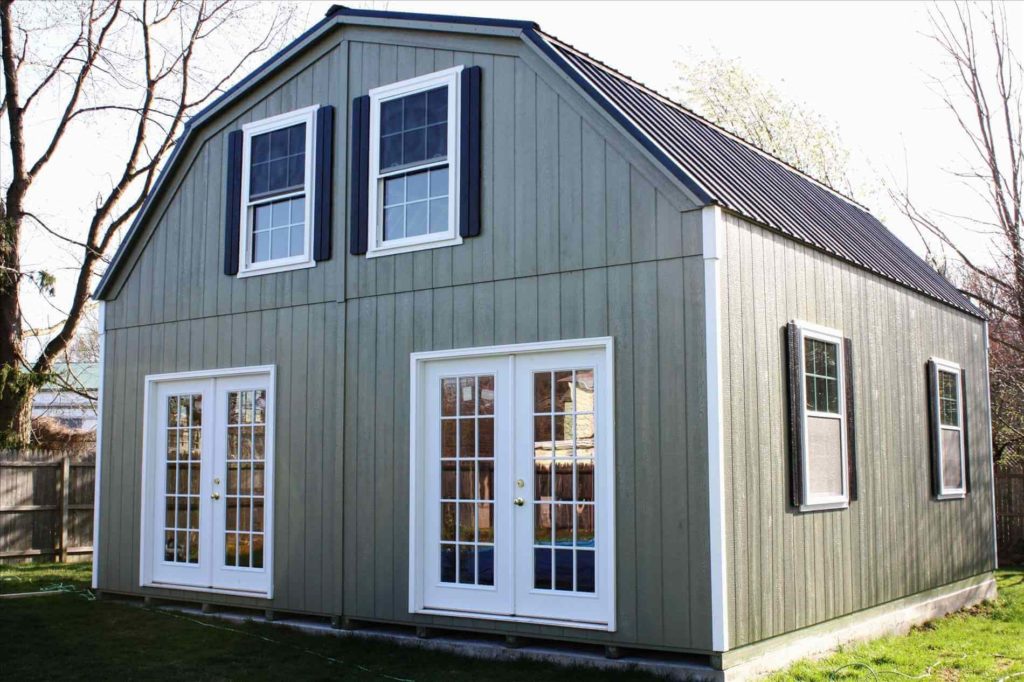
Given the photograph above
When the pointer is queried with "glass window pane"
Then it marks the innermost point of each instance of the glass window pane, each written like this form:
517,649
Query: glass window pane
485,480
416,219
448,397
390,151
563,569
394,222
437,141
467,564
448,521
391,116
952,475
260,150
437,105
259,179
278,244
563,392
447,563
485,565
279,144
485,438
542,569
278,171
824,456
467,437
542,392
584,571
438,215
542,479
486,396
295,241
439,182
416,186
394,191
467,396
414,146
415,110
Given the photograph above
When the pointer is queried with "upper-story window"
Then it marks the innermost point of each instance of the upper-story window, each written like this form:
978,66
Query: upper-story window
948,422
277,193
414,163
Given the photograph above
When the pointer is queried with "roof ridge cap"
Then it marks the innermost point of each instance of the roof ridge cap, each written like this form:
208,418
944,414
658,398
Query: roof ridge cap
693,114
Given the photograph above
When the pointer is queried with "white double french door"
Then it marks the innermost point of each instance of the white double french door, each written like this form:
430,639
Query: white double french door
515,499
208,482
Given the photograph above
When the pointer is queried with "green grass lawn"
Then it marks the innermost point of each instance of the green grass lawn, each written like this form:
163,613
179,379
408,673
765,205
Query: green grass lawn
985,642
69,636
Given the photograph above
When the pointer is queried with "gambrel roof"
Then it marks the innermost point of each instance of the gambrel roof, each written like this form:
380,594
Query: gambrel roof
717,167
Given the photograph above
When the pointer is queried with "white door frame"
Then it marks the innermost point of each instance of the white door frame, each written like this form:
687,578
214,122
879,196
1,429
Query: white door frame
151,462
418,366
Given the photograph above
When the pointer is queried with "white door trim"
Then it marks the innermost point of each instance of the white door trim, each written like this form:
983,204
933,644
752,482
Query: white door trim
417,479
150,430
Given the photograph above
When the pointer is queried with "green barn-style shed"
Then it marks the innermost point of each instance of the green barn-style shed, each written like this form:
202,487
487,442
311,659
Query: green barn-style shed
436,321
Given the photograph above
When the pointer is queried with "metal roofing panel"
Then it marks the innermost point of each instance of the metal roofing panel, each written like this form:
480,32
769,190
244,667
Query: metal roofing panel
757,186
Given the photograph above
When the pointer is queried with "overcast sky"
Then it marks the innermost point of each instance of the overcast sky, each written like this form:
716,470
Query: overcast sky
863,65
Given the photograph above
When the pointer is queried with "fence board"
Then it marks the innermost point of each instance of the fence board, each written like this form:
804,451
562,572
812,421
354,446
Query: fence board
1010,514
46,505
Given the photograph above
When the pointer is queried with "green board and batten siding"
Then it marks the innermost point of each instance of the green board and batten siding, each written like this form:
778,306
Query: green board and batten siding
788,570
582,236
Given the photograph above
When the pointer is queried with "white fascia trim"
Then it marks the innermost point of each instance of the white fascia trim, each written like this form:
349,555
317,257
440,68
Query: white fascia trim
991,452
99,447
713,231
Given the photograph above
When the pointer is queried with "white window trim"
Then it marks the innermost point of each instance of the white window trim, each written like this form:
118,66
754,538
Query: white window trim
953,368
376,246
246,267
417,450
147,533
808,330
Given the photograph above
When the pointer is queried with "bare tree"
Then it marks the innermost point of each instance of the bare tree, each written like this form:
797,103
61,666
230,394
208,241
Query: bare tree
136,68
981,88
725,92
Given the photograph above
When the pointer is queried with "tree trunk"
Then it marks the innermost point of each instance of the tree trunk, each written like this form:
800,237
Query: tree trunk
16,412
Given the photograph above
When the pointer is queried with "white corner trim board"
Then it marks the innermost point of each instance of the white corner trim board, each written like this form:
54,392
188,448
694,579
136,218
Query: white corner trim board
99,447
713,231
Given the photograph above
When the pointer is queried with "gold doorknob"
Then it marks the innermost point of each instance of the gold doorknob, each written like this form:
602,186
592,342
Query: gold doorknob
519,502
215,496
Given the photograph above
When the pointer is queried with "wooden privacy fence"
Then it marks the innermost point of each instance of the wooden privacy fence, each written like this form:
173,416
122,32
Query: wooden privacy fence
1010,514
46,505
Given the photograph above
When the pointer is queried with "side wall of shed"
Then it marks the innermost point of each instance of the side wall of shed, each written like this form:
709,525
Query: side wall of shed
788,570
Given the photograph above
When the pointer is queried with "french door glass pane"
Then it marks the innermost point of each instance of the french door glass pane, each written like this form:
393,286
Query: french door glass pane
246,485
564,451
467,480
183,461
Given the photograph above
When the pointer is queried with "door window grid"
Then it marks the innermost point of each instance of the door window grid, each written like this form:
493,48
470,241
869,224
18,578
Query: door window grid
183,464
564,510
467,480
246,443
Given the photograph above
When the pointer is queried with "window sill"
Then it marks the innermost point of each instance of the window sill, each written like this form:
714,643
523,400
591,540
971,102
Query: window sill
271,268
825,506
418,245
952,495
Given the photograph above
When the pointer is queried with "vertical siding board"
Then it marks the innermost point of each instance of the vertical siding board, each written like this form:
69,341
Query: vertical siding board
485,257
502,176
317,408
483,314
405,68
642,216
547,178
617,190
646,379
462,258
620,324
595,302
668,231
572,306
593,209
366,510
388,73
403,346
463,323
443,318
505,311
549,320
525,111
350,455
383,458
570,188
526,313
673,448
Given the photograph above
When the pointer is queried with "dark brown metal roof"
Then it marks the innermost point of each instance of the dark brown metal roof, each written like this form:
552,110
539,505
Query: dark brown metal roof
725,170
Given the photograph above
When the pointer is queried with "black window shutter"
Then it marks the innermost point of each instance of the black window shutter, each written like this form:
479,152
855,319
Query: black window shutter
359,201
851,431
470,153
233,203
967,431
794,368
323,165
933,428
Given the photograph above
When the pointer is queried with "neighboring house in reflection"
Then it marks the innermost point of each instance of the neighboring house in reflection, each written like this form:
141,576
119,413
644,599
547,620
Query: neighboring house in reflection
66,400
